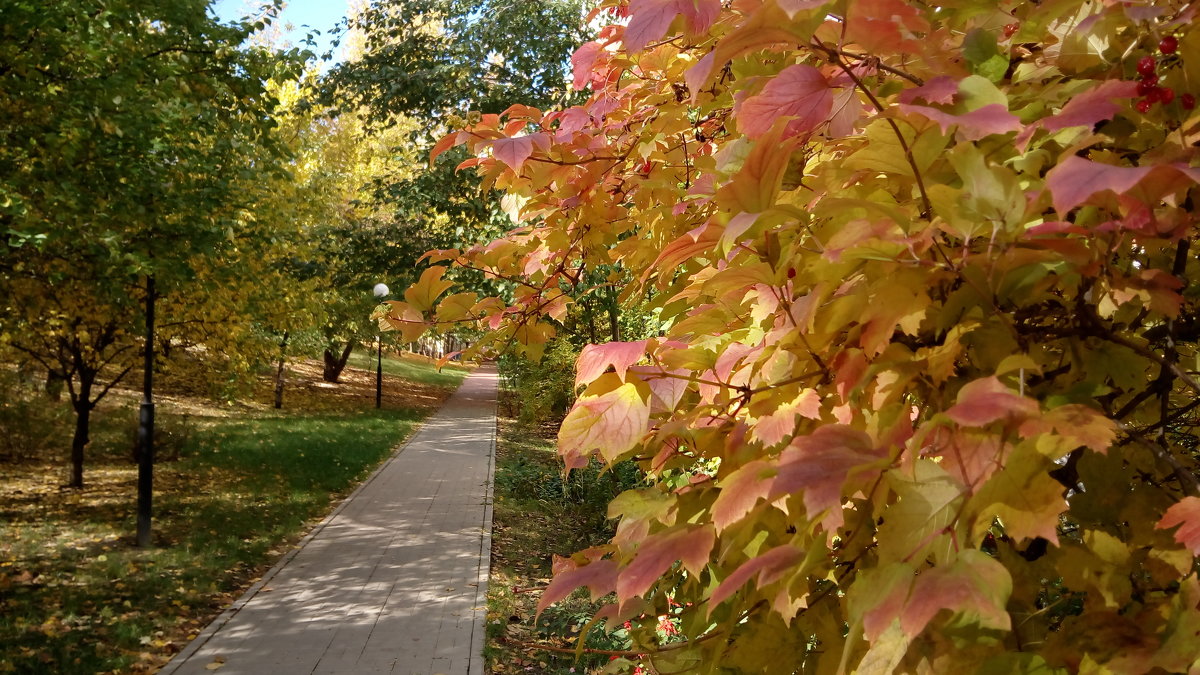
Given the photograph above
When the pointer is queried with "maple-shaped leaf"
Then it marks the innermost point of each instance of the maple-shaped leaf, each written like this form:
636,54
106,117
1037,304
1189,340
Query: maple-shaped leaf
818,466
1186,514
405,318
768,567
1023,496
975,585
611,423
689,544
773,428
972,126
423,294
741,490
599,576
1078,424
514,151
986,400
1076,179
595,359
446,142
800,93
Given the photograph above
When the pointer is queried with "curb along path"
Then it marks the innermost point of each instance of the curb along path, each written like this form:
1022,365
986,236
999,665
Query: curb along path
394,581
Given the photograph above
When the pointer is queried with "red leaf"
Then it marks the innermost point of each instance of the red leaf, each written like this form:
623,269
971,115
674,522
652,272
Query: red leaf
689,544
650,19
582,61
1092,106
972,126
799,92
599,576
741,490
514,151
975,585
1187,514
986,400
940,90
768,566
595,359
1076,179
820,465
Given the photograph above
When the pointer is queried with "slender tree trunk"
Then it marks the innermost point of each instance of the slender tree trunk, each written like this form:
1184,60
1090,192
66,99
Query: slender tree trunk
279,372
83,413
334,364
614,325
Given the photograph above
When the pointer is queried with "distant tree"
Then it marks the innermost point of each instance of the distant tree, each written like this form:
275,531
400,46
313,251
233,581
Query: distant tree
130,133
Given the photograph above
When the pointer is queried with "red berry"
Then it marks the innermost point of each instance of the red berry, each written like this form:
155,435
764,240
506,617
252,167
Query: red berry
1146,66
1154,95
1166,95
1010,29
1168,45
1150,79
1187,101
1143,106
791,272
1144,88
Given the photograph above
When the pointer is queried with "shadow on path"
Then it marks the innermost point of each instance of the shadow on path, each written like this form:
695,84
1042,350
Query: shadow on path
394,581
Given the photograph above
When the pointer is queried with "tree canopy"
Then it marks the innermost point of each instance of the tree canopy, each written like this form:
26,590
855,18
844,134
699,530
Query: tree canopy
923,397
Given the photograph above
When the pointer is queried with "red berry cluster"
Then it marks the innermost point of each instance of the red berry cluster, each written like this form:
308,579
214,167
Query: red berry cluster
1148,88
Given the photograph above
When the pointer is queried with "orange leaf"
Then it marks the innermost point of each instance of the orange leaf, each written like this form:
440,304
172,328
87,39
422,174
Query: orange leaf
1187,514
595,359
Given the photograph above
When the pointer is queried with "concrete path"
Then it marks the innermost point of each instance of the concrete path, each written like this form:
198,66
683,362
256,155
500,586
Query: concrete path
394,581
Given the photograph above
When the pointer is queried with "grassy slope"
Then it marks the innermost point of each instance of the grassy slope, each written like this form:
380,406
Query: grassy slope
76,597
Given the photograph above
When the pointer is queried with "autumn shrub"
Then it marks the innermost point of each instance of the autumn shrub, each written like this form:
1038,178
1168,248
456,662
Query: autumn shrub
32,425
544,389
924,398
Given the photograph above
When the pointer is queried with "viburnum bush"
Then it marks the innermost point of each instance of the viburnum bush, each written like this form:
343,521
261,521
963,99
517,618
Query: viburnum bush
925,392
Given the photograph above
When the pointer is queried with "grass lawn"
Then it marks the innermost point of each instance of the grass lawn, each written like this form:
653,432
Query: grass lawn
412,367
77,597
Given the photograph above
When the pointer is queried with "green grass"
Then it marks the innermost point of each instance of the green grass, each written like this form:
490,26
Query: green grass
414,368
76,597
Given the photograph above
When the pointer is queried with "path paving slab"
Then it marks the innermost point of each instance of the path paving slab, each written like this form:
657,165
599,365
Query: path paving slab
394,581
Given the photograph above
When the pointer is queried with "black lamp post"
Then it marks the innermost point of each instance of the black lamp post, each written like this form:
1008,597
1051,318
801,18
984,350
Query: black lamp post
381,291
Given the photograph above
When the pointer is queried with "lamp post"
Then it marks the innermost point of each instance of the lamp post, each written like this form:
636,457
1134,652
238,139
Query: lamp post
381,291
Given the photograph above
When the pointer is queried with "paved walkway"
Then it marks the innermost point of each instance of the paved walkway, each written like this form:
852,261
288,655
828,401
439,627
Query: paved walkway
394,581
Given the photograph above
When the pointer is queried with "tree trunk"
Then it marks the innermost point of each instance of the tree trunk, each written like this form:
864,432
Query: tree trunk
334,365
54,386
614,309
279,372
83,413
